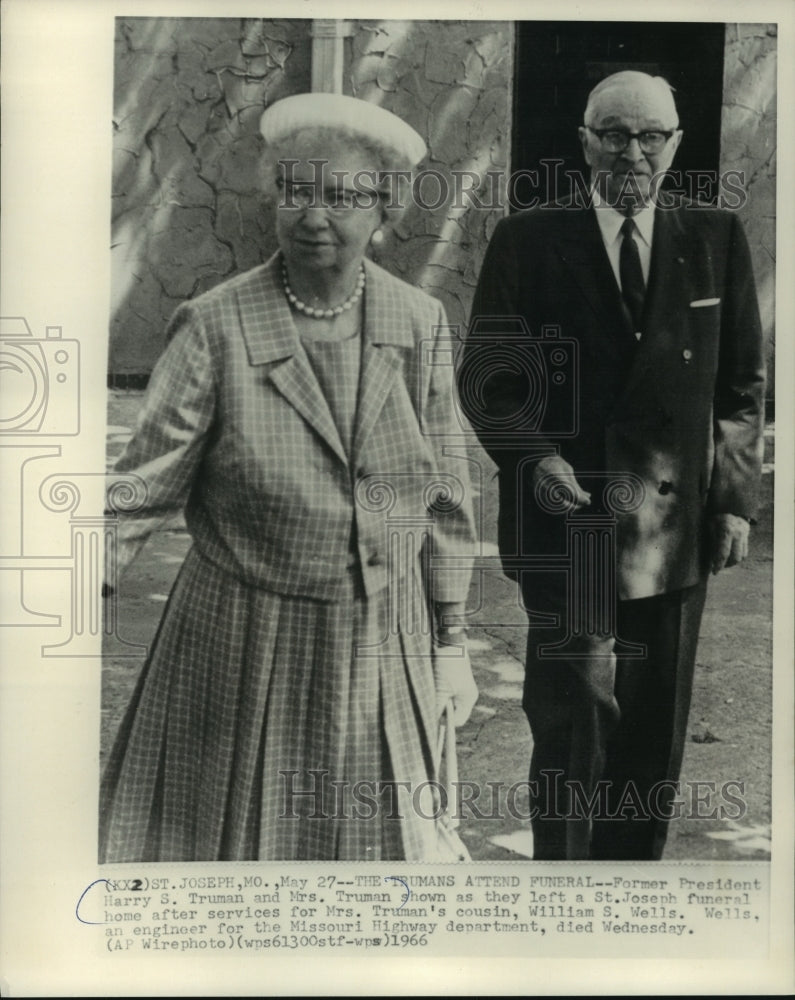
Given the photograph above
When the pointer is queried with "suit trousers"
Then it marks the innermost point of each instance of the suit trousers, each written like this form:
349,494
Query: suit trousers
608,728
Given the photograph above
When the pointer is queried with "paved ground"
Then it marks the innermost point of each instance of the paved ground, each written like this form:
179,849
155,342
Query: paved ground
730,719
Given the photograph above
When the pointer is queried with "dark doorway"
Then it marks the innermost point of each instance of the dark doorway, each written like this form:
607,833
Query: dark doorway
559,62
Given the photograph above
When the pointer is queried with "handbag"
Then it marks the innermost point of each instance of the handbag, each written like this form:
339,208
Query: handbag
449,846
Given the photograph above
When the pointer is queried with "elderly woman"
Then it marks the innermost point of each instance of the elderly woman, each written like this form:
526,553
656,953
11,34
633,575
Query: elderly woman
289,706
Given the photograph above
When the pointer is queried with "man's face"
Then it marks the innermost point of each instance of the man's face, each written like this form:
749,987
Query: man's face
632,108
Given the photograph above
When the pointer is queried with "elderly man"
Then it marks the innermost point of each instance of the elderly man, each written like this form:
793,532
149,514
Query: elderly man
614,371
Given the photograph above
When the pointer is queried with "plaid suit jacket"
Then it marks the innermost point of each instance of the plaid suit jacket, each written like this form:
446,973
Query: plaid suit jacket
236,430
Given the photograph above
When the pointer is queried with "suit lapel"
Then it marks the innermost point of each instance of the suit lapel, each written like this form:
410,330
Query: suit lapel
296,381
579,244
388,328
667,295
272,339
670,272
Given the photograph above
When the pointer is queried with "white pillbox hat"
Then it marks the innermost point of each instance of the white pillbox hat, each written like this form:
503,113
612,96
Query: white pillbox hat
339,111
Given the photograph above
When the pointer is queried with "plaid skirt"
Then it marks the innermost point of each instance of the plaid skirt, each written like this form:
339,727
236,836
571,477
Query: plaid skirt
276,728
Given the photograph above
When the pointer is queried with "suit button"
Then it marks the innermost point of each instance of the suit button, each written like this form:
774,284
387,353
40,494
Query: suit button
374,559
687,354
665,487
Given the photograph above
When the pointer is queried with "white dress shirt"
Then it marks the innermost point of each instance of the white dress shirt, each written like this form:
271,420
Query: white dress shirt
610,222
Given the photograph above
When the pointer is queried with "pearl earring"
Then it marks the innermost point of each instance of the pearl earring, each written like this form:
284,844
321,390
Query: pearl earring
377,238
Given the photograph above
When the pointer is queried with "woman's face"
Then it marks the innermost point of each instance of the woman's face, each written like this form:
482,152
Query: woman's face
323,218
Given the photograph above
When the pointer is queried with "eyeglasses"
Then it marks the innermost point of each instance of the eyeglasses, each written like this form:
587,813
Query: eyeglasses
301,196
616,140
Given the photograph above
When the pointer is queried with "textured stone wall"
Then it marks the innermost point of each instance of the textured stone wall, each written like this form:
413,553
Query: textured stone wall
452,81
189,92
186,207
188,96
748,143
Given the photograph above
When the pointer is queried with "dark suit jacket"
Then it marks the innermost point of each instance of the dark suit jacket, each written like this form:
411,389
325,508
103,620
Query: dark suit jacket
681,410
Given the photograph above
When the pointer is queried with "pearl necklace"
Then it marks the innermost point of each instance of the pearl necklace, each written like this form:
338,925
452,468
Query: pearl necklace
302,307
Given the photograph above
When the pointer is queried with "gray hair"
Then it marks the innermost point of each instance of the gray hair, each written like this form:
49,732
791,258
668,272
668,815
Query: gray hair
632,77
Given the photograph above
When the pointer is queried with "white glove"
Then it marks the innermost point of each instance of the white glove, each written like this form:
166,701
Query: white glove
452,672
125,552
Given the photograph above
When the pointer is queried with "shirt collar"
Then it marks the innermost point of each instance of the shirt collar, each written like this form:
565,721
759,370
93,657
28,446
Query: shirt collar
610,221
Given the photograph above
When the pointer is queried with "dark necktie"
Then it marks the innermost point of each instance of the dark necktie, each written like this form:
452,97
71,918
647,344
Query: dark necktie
633,288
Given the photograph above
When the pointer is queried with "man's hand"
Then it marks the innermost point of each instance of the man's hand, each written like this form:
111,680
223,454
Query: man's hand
452,673
560,477
598,677
729,540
